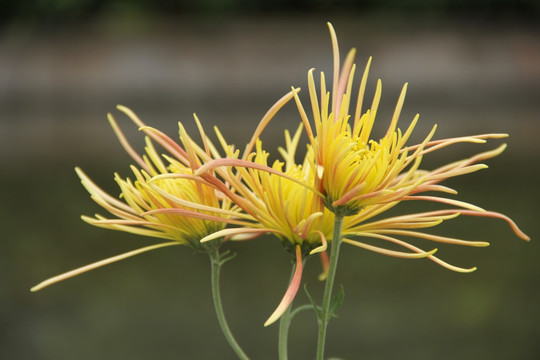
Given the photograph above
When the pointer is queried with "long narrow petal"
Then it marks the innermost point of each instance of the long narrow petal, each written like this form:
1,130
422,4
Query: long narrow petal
248,164
291,291
436,238
335,51
195,215
497,215
125,143
418,250
397,111
98,264
169,144
453,202
94,189
267,117
393,253
235,231
360,100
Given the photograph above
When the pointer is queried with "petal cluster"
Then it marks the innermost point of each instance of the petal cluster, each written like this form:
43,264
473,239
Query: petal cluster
347,173
200,196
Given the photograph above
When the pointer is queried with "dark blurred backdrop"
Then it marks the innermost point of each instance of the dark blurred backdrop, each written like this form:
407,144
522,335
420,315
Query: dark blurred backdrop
472,67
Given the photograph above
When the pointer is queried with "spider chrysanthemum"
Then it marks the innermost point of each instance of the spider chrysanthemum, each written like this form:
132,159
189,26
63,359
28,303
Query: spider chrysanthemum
347,173
165,200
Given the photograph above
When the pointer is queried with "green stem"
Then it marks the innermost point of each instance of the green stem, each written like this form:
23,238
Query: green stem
327,297
217,261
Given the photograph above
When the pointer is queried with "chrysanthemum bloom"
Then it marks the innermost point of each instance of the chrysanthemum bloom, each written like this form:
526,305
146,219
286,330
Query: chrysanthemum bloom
355,177
283,202
167,201
182,210
354,170
280,203
360,177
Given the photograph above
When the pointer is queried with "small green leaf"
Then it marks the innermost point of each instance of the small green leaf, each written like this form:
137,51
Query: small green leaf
226,256
337,301
313,303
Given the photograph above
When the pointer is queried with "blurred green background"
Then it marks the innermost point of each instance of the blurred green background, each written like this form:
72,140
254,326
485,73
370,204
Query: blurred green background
472,67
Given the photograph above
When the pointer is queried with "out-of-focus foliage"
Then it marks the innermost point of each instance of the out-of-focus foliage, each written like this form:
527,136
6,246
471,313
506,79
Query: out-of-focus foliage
79,10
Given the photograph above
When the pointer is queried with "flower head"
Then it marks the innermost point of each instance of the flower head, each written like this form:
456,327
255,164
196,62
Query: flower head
165,200
280,201
349,174
361,178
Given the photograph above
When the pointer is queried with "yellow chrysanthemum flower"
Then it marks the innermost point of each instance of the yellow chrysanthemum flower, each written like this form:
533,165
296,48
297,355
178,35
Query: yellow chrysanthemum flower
347,174
360,177
279,201
165,200
353,170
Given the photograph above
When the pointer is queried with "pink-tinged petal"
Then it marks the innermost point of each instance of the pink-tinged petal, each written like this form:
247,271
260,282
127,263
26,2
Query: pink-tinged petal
497,215
155,134
238,200
314,102
115,211
248,164
130,114
486,155
462,170
177,176
204,138
195,215
125,143
348,66
305,121
267,117
169,144
98,264
307,224
325,262
351,194
291,291
133,229
432,187
125,222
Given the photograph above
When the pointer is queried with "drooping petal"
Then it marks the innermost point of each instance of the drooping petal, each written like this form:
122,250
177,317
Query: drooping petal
291,290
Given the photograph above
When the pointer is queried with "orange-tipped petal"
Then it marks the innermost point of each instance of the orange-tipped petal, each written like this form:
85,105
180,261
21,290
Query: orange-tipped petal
325,262
497,215
291,291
